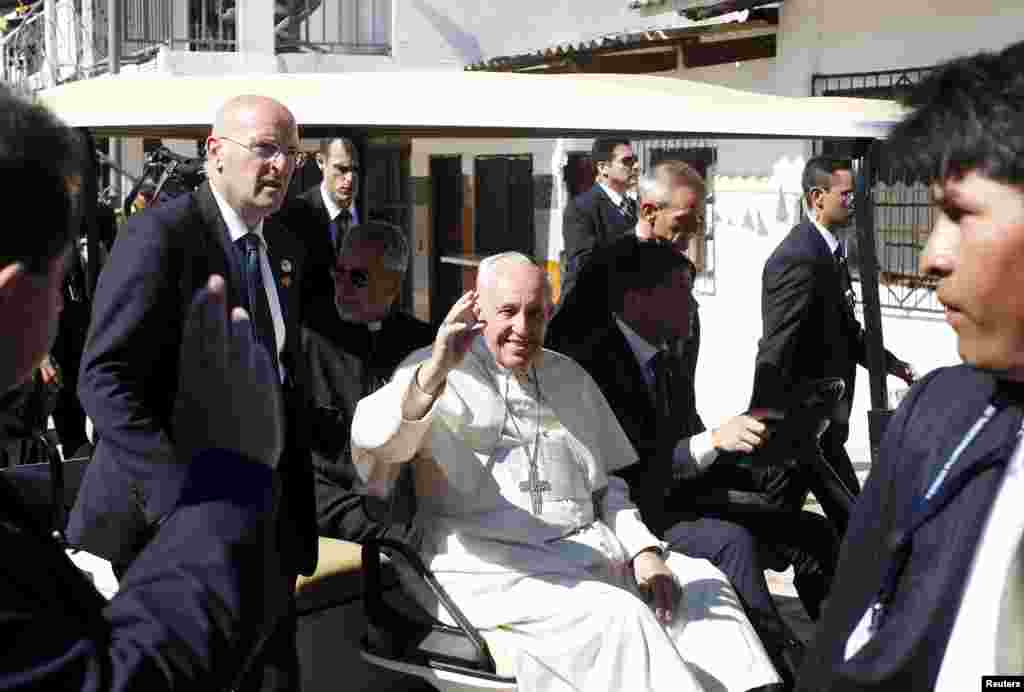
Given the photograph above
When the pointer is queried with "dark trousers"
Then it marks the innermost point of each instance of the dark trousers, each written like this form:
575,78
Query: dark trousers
833,446
805,540
732,549
275,667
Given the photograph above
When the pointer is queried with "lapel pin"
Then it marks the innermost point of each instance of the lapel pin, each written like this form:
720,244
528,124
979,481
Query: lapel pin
286,266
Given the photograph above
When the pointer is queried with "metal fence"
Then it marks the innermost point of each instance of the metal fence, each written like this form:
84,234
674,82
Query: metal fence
360,27
903,212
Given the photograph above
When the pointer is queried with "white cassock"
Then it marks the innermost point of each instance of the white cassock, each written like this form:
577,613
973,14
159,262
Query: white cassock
507,471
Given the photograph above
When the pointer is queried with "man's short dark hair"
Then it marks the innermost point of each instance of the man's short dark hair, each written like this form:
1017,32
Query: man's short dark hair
818,173
604,148
969,115
38,154
644,266
347,144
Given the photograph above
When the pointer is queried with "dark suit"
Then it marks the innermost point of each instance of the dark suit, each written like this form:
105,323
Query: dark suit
188,611
573,327
907,651
674,508
307,218
589,221
347,362
809,332
129,377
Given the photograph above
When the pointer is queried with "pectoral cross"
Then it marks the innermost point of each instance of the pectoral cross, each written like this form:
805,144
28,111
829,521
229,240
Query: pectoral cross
535,486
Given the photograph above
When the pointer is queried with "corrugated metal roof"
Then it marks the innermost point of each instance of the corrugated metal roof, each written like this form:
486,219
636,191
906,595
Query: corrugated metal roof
739,23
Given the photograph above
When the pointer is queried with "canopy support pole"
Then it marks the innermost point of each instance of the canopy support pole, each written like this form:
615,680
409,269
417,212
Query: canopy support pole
879,414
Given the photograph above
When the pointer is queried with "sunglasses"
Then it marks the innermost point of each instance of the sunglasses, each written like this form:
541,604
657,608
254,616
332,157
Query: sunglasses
360,278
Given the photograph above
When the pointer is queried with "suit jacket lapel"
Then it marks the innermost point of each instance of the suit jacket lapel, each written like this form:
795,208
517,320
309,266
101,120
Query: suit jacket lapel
282,265
610,214
628,376
225,263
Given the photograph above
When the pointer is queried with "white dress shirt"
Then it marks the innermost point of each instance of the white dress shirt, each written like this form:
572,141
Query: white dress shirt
616,198
702,450
829,236
971,651
333,209
237,229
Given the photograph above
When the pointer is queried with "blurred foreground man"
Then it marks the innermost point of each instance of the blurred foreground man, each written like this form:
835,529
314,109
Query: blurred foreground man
129,376
513,448
929,592
189,611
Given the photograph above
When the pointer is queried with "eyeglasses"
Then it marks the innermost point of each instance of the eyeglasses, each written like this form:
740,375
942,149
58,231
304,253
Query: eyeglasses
268,151
360,278
845,197
627,162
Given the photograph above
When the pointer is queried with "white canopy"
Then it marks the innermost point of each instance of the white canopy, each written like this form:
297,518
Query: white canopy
469,104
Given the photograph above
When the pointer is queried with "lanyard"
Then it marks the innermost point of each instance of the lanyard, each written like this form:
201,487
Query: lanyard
940,493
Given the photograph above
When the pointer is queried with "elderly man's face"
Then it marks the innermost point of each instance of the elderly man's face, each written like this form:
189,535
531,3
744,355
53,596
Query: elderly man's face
341,173
364,288
682,217
251,178
976,250
516,306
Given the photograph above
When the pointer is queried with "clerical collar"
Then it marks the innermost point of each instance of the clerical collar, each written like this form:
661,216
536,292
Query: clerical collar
374,326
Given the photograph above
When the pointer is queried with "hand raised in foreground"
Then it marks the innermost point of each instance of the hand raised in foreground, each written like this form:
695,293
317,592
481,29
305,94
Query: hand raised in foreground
452,342
654,577
228,392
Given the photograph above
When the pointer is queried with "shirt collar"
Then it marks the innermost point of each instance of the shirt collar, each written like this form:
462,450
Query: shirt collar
642,349
236,227
614,196
829,236
332,207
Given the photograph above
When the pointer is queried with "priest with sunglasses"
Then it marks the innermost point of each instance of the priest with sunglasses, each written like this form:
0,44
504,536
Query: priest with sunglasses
352,345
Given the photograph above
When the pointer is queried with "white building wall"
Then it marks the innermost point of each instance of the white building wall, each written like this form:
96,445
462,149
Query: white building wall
755,182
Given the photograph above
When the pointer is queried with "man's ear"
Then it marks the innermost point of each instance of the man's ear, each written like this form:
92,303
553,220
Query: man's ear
12,277
648,212
320,161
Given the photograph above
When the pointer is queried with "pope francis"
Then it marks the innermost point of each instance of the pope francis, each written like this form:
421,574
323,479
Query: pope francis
513,449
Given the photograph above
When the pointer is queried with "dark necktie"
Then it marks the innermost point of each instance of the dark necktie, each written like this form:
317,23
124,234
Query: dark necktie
845,283
259,304
339,227
664,376
629,208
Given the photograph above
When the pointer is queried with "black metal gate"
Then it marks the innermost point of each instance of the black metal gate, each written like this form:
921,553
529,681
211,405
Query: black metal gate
903,212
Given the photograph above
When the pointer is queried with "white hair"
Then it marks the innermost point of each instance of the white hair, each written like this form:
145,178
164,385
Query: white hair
653,189
490,266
